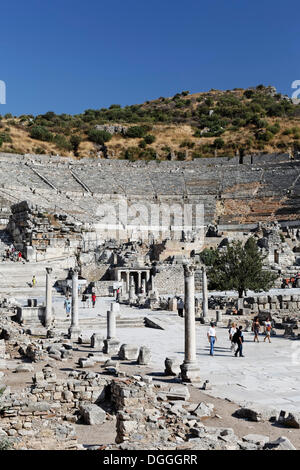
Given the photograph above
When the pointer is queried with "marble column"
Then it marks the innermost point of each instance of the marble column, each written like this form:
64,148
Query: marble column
74,330
111,324
132,296
204,293
190,371
111,344
139,281
127,282
48,311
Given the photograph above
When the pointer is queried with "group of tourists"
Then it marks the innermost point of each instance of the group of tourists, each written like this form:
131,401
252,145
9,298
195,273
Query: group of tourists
236,336
267,329
11,254
84,299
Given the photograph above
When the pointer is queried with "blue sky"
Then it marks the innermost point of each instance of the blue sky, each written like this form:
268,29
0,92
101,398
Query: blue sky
70,55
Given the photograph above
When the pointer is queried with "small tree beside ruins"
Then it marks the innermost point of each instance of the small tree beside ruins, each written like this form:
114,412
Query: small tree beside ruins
240,268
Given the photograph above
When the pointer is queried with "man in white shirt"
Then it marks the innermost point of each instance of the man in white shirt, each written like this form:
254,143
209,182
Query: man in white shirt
232,331
212,338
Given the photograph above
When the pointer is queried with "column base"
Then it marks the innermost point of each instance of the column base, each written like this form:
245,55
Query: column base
111,346
74,332
190,372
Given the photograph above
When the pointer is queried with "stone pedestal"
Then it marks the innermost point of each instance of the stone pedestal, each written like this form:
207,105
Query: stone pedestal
128,352
144,357
190,371
111,346
172,367
219,318
97,341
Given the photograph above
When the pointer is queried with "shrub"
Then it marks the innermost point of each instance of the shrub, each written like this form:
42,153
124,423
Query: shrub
143,144
40,133
219,143
274,129
1,142
265,136
137,131
99,137
5,137
149,139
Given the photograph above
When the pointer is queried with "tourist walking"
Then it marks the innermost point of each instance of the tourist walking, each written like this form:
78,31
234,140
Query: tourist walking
212,338
238,338
268,328
93,300
68,306
255,329
33,281
180,306
232,331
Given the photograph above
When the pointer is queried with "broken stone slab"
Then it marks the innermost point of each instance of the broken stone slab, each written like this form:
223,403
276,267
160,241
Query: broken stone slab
282,443
24,368
67,354
256,414
92,414
203,410
288,419
128,352
97,357
111,363
257,439
247,446
144,356
84,339
86,362
172,366
175,393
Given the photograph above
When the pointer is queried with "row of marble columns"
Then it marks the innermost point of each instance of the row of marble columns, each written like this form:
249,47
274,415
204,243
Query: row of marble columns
141,281
190,371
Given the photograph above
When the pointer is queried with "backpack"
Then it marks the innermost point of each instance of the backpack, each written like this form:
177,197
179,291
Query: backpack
235,337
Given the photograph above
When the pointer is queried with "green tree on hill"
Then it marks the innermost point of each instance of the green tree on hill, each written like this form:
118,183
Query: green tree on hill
75,142
240,268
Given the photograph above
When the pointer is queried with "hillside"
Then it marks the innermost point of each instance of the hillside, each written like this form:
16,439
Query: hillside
185,126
